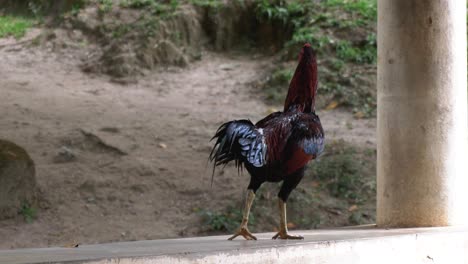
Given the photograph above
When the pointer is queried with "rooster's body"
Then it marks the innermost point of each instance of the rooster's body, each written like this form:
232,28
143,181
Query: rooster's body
278,147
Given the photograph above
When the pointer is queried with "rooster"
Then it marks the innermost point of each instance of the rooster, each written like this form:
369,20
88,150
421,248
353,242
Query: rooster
278,147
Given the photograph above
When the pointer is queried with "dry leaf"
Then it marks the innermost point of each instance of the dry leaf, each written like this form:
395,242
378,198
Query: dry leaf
291,225
162,145
353,208
332,211
315,184
332,105
359,115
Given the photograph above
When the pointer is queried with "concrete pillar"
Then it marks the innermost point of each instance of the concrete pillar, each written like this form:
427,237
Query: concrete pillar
422,113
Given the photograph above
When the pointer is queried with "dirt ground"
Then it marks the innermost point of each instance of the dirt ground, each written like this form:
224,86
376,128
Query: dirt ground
120,162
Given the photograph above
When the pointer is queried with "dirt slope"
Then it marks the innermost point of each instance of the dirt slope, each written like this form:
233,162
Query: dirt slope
128,161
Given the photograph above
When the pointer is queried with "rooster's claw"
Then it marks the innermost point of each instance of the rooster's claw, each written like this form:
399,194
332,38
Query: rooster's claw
285,235
243,231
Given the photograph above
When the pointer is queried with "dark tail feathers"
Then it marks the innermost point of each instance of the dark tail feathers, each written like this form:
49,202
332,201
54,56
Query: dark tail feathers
240,142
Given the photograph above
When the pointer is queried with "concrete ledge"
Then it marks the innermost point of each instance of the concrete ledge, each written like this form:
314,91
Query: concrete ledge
370,245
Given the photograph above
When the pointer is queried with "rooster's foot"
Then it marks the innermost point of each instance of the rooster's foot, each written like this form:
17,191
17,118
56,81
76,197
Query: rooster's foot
243,231
285,235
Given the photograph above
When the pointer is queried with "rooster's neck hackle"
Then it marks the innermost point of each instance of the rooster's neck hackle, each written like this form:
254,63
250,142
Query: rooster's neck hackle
303,86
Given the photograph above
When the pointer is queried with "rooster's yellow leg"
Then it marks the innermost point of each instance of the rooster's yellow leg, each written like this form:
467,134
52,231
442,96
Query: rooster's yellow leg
243,230
283,228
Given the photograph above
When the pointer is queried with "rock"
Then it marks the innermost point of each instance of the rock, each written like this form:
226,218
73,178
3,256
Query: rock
65,154
228,66
162,145
359,115
110,129
17,180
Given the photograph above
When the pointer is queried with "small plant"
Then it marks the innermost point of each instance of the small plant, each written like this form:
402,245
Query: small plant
120,30
345,51
14,26
38,8
337,65
287,12
367,54
282,77
207,3
277,85
159,8
365,8
75,10
342,170
310,35
105,5
29,213
136,3
228,220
